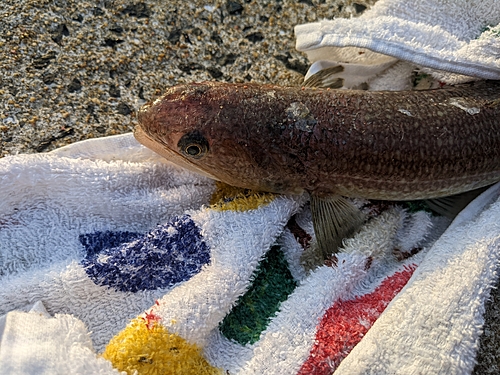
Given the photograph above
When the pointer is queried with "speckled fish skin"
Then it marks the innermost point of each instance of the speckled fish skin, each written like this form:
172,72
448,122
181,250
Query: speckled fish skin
374,145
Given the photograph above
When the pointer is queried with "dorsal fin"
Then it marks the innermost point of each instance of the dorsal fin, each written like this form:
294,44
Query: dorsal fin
326,78
347,75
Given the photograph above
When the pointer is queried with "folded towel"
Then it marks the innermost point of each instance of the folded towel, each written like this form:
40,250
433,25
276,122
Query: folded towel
35,343
133,264
453,40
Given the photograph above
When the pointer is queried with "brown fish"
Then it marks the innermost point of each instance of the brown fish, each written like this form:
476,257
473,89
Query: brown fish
331,143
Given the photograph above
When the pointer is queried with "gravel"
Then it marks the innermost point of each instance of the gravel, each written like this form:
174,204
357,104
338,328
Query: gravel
72,70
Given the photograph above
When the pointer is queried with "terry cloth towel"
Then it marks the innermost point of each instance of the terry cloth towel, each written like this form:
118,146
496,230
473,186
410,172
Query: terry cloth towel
453,40
136,265
125,262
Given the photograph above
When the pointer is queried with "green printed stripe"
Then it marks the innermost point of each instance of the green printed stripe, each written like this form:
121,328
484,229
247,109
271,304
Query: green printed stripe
272,284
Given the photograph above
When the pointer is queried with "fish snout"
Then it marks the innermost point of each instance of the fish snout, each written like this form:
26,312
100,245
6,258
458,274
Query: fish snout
144,115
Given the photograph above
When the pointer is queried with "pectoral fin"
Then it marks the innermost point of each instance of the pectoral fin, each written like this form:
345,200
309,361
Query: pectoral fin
334,218
451,206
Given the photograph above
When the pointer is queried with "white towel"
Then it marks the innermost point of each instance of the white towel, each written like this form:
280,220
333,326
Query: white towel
453,40
106,233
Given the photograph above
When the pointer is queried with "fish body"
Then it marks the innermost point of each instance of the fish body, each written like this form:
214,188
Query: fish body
374,145
331,143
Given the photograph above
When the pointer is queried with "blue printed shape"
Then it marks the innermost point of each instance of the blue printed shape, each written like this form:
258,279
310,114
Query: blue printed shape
128,261
96,242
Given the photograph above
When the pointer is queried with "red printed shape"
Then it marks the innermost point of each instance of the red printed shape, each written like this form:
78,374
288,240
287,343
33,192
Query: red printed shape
150,318
346,322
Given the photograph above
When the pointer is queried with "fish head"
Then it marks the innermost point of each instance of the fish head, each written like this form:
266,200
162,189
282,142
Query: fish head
198,127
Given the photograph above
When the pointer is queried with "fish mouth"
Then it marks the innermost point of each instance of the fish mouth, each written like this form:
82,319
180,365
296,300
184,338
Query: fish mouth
146,140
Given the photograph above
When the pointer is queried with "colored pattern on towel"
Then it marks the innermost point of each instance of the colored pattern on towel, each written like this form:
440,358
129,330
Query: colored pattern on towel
149,348
96,242
301,236
346,323
230,198
167,255
272,283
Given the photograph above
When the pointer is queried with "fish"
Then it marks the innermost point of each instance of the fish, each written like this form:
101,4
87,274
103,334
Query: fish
333,144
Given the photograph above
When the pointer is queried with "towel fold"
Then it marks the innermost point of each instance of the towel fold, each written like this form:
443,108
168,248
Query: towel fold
454,41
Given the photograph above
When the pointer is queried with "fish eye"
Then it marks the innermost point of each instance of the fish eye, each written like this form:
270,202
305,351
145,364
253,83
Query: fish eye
193,145
193,150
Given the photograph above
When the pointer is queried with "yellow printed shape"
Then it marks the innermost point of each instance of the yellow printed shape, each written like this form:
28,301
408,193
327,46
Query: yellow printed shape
230,198
147,348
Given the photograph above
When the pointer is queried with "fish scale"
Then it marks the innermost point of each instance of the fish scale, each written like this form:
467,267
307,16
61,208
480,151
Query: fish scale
331,143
